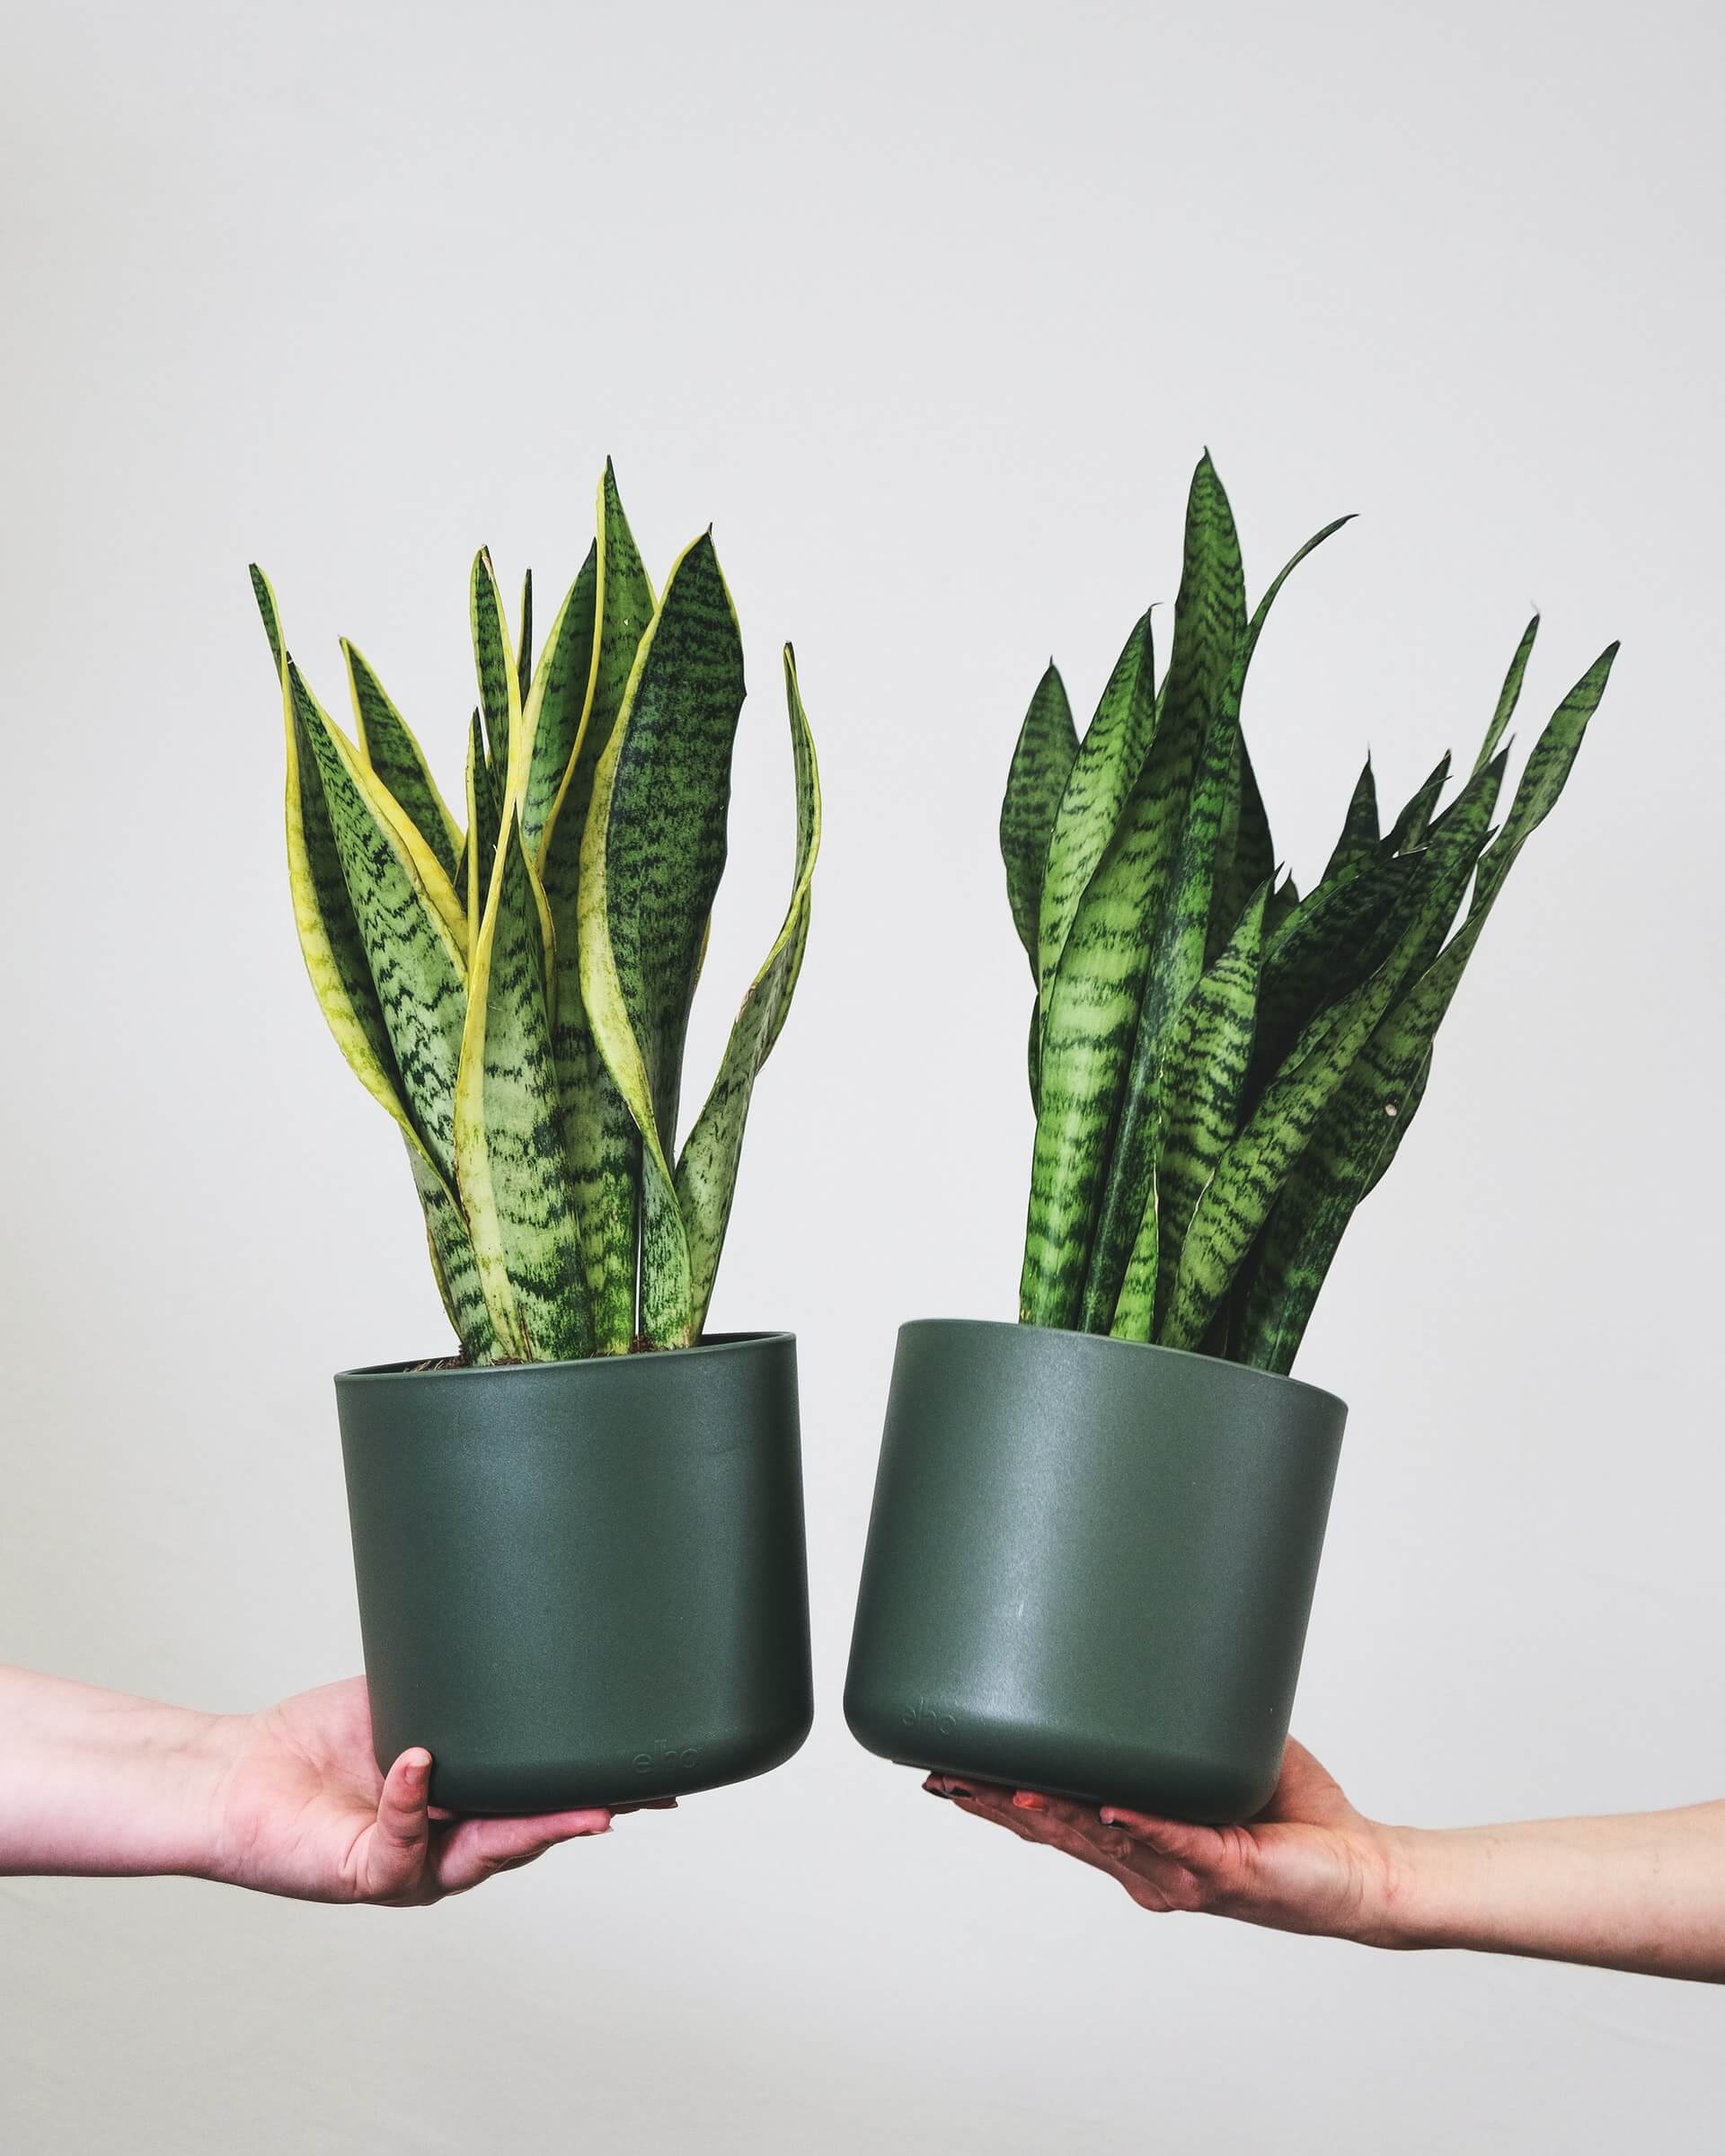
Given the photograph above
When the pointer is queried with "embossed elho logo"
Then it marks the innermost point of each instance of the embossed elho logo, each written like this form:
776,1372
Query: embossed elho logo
682,1756
930,1719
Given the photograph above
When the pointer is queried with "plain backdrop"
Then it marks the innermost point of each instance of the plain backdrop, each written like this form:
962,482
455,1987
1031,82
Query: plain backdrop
930,309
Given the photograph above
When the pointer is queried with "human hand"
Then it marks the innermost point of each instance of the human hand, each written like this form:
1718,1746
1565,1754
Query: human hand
1309,1862
301,1809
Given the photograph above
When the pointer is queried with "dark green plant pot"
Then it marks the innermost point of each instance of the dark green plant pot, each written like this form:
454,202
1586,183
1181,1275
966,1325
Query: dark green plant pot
583,1583
1089,1566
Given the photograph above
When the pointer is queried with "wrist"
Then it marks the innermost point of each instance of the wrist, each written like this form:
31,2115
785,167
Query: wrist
206,1752
1402,1916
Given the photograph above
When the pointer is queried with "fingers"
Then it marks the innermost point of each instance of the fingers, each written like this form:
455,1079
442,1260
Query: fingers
1156,1878
1175,1839
394,1848
476,1849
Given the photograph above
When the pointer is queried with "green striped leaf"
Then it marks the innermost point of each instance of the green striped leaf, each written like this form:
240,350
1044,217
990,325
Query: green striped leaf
557,703
396,760
452,1264
1361,1132
603,1142
706,1174
1197,1115
1245,854
1042,762
1415,820
499,685
1360,835
329,936
270,614
1203,1087
1255,627
516,1188
1098,783
1543,781
416,967
654,852
1328,944
341,975
524,649
1252,1171
484,830
1509,695
1166,851
1284,904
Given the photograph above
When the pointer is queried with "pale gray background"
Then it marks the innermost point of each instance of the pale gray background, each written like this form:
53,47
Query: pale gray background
931,310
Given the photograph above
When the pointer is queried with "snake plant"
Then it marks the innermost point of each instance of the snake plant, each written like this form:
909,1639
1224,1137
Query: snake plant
513,984
1223,1067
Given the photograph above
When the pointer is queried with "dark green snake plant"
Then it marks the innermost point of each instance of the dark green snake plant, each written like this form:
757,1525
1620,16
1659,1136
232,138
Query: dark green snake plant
513,984
1220,1067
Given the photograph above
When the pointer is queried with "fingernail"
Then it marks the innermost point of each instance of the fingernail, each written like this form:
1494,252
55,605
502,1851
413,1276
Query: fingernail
1027,1800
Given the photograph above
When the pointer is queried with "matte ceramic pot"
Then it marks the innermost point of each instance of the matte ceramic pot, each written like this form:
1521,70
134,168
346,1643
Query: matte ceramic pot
1089,1565
583,1583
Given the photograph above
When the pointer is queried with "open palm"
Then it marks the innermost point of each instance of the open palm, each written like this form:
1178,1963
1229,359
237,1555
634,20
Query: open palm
303,1811
1309,1861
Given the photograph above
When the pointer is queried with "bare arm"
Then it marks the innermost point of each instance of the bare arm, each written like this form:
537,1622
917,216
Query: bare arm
289,1801
1644,1891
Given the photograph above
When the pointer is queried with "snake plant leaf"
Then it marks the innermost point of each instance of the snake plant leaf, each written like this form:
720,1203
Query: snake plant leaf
499,685
557,703
1284,904
329,936
1250,1175
1091,1033
484,829
427,862
1548,768
1509,695
1042,762
387,743
1360,833
655,846
706,1174
1260,613
653,853
524,649
1415,820
1245,854
270,614
1134,1307
416,966
516,1188
1363,1130
603,1140
340,975
1328,944
1196,1114
1170,831
452,1264
1176,967
1101,777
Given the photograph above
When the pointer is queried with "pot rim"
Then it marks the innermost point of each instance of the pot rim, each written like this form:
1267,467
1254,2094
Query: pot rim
714,1344
1097,1341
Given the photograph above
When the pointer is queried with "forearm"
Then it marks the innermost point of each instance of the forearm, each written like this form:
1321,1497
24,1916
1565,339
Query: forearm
99,1783
1644,1891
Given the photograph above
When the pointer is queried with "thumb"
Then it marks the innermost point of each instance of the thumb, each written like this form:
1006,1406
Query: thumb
1176,1839
396,1846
